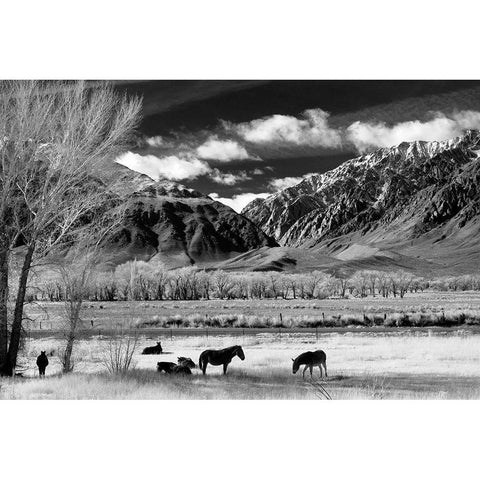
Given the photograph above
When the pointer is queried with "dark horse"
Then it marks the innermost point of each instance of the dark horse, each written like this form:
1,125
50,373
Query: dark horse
220,357
184,366
42,362
166,367
310,360
155,350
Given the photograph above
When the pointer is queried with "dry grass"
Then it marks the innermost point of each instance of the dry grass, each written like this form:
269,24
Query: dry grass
422,309
395,365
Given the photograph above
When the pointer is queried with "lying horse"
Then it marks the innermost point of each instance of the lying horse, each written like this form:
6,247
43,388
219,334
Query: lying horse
166,367
155,350
310,360
186,361
220,357
183,367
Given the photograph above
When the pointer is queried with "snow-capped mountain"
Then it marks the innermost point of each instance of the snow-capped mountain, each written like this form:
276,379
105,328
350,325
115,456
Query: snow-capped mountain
411,191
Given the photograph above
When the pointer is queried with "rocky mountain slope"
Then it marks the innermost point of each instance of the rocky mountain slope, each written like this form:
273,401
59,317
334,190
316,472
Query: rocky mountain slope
180,226
421,199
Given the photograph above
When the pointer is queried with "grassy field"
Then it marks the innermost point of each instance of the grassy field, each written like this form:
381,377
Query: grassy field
365,359
437,364
419,309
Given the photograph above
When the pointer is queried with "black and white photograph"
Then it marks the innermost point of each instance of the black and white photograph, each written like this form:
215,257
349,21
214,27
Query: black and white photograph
239,240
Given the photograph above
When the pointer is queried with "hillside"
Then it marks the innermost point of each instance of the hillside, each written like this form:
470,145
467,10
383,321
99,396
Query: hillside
179,226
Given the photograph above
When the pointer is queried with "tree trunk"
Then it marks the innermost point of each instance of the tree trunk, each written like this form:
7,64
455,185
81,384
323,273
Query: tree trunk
75,307
3,308
67,365
18,313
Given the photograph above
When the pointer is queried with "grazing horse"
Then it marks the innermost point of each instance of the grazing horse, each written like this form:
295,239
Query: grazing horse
155,350
184,366
42,362
310,360
220,357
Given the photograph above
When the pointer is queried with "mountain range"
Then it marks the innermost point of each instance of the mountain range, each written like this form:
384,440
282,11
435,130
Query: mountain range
416,205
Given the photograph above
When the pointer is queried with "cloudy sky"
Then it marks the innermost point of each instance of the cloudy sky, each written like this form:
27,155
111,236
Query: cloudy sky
237,140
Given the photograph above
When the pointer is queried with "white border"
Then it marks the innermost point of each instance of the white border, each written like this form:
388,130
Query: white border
239,440
239,40
248,39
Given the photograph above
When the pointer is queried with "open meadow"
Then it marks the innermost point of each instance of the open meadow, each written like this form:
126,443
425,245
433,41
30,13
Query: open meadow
389,359
438,364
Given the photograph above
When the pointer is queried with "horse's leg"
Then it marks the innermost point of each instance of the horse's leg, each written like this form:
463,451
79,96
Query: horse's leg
311,370
321,373
306,366
204,366
225,366
325,368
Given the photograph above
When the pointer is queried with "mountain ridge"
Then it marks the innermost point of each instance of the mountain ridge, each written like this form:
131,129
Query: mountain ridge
179,226
417,192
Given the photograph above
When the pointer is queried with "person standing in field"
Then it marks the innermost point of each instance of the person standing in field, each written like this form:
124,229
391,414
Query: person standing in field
42,363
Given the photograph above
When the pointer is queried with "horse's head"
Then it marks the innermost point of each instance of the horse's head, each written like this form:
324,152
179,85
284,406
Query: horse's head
295,366
186,362
239,352
159,344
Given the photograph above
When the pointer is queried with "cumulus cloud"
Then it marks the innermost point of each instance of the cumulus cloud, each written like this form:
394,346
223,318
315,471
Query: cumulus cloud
310,129
277,184
365,136
222,150
238,202
171,167
228,178
156,141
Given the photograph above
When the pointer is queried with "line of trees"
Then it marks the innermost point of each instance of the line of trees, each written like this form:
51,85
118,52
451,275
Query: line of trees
138,280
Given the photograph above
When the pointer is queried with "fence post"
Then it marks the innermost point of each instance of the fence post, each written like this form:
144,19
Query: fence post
171,333
316,332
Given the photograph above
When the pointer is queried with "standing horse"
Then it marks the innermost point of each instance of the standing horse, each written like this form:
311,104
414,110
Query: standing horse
310,360
220,357
42,363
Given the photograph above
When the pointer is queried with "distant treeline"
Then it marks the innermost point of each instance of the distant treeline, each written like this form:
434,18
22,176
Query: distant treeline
139,280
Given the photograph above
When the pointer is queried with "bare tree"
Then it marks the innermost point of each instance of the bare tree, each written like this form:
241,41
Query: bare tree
360,281
118,358
312,281
77,270
222,284
56,140
384,284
